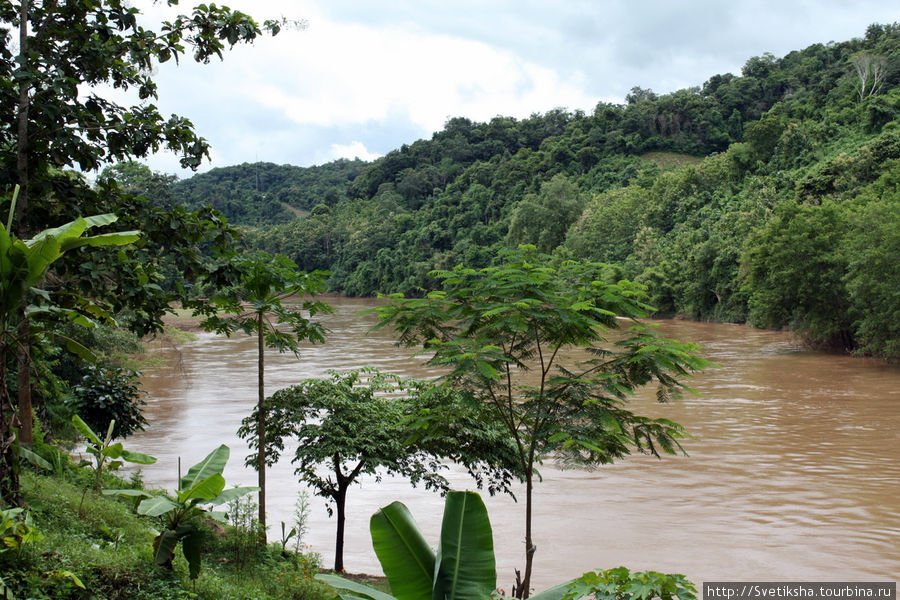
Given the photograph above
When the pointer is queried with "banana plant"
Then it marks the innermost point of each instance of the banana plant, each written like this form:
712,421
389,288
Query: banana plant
203,485
462,568
104,450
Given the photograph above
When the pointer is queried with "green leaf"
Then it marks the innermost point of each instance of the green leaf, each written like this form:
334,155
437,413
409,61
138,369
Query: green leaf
466,567
191,544
206,489
128,493
235,492
213,463
554,593
406,558
83,428
120,238
164,546
156,506
358,590
138,458
34,458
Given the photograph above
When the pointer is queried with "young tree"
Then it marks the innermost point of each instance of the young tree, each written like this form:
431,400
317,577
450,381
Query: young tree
531,339
365,422
255,305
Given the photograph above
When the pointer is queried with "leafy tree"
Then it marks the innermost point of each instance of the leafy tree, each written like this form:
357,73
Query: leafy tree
511,335
51,117
23,265
255,304
794,269
543,219
365,422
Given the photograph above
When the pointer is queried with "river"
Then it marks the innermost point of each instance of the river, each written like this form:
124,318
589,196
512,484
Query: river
793,473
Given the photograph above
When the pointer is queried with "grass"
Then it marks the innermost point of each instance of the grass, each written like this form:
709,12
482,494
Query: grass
108,549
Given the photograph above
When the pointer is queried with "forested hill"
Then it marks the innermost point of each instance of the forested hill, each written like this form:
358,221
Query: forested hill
264,193
772,197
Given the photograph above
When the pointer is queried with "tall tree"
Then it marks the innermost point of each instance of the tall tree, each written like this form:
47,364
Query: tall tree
51,115
512,335
255,304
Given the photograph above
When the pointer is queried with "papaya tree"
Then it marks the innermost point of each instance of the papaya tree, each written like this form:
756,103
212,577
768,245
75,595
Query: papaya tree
541,343
256,304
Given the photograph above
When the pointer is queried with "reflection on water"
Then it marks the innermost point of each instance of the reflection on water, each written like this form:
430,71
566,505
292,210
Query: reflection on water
793,472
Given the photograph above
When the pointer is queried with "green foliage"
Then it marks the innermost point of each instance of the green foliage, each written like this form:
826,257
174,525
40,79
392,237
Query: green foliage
462,567
364,422
255,304
104,450
202,485
621,584
23,265
794,274
507,335
16,530
107,393
262,194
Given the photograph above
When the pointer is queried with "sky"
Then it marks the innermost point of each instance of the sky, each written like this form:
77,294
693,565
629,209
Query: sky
363,78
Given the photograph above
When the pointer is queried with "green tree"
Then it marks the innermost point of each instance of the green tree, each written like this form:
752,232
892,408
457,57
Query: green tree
255,304
543,219
53,57
23,265
365,422
512,336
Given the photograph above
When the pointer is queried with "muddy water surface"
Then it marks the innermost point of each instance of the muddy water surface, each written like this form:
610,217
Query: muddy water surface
793,474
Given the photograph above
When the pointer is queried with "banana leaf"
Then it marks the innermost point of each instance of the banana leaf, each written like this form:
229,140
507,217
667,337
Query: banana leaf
466,552
406,558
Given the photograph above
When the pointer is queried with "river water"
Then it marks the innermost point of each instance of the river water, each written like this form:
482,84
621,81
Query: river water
793,474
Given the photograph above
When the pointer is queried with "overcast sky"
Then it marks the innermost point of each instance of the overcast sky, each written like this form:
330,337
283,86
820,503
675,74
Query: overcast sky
365,77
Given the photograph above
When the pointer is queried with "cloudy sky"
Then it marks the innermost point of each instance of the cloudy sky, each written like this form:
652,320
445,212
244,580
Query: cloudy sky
365,77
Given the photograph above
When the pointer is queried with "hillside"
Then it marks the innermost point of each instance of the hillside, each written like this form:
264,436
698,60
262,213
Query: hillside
769,197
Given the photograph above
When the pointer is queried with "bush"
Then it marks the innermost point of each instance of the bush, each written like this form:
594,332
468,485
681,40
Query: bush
107,392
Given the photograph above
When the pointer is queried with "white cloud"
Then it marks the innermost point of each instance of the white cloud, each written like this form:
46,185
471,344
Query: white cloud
333,74
355,149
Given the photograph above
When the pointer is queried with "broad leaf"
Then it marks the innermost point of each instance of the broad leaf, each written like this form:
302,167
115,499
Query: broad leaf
406,558
119,238
138,458
358,590
190,546
35,459
85,430
231,494
164,547
206,489
129,493
557,592
156,506
213,463
466,567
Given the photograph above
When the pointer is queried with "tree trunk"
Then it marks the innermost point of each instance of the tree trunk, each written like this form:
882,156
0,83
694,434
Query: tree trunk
21,227
261,427
23,366
525,587
340,500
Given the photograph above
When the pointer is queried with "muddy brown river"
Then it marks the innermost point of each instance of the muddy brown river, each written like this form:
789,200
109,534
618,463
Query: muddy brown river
793,474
